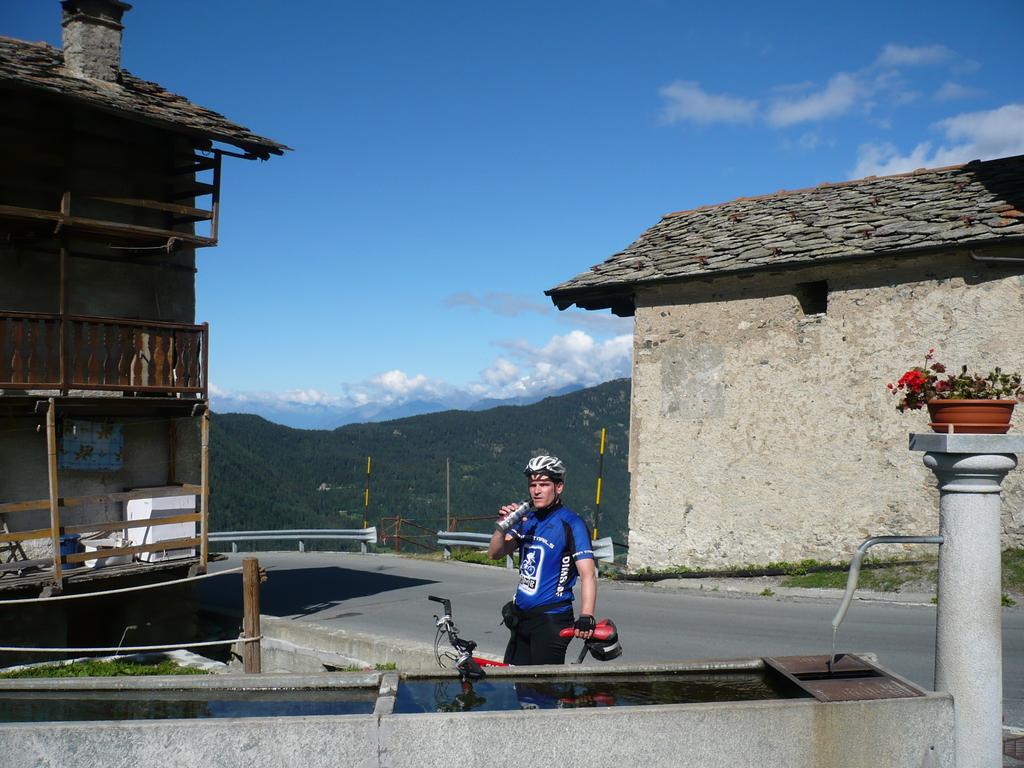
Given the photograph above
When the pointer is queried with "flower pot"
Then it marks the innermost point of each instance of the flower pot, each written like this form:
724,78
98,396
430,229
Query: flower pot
988,417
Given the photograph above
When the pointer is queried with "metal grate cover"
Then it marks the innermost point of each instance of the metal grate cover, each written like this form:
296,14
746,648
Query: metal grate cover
850,678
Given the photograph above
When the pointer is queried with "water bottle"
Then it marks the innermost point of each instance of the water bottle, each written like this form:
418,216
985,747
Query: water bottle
506,523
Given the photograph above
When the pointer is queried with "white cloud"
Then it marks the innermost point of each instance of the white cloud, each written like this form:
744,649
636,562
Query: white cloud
512,305
575,358
501,373
504,304
968,136
295,399
950,91
809,141
884,82
909,56
687,102
837,98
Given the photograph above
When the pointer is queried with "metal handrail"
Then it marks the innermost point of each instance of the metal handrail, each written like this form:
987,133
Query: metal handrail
363,535
449,539
604,549
858,557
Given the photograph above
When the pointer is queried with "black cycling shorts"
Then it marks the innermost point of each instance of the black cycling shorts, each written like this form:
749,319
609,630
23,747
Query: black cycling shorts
534,639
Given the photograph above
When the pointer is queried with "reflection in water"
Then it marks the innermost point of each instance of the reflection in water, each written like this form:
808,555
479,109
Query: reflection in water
465,701
65,706
493,694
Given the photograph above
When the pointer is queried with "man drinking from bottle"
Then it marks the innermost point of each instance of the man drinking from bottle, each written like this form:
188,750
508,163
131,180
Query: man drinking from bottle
554,549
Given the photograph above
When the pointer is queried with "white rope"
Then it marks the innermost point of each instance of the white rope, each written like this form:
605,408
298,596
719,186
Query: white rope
133,648
117,591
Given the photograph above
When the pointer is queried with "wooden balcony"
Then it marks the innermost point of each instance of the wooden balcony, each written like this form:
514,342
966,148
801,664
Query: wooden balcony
31,199
47,352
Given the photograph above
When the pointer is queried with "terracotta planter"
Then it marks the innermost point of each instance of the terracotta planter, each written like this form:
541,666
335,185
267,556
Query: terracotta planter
987,417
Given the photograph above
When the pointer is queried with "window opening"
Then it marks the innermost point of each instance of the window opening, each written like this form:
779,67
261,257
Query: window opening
813,297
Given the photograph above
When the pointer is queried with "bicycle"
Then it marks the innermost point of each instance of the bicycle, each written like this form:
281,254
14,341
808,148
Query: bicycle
470,667
603,646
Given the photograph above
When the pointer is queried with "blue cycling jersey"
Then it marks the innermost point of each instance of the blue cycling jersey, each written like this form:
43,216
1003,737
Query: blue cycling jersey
550,544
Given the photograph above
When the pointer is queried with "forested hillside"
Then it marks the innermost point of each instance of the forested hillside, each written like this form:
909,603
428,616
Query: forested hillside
265,476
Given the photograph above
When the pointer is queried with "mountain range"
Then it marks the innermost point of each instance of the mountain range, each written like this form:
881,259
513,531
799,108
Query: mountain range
266,475
329,416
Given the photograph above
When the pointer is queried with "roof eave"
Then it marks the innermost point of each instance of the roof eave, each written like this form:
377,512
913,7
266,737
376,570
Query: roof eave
610,295
256,149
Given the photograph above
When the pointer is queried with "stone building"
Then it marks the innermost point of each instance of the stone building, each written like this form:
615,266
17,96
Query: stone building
766,329
109,184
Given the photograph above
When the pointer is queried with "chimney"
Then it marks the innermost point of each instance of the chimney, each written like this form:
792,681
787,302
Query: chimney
92,38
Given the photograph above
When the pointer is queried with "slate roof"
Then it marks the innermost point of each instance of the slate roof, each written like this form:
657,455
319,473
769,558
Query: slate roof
975,204
40,67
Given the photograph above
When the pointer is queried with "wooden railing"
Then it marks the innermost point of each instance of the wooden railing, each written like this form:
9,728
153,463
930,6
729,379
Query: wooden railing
60,561
399,530
40,351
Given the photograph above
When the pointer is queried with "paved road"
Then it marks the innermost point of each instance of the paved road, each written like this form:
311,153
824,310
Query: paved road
387,595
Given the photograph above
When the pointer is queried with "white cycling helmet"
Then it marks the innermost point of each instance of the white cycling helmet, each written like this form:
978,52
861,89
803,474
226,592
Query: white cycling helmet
551,466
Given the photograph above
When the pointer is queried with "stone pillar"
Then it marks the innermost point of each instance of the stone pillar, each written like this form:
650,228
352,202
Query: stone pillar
968,635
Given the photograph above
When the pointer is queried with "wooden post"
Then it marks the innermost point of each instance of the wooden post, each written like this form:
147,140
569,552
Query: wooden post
61,310
251,661
51,450
600,472
204,497
366,493
172,452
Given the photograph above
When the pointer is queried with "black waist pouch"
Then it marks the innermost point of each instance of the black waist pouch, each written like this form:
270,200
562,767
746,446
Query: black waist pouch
508,615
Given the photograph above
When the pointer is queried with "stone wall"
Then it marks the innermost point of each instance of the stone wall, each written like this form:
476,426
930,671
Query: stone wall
763,433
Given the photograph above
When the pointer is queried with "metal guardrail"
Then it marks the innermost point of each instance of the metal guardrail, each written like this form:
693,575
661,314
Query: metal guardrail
449,539
604,549
363,535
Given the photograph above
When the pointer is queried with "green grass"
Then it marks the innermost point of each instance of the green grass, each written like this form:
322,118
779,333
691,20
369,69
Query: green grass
767,592
1013,570
750,569
878,576
889,576
105,669
476,556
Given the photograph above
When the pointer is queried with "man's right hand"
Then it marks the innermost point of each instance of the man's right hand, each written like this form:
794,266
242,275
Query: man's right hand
507,517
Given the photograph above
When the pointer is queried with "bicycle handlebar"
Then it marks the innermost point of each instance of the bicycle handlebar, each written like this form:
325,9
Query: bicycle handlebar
445,602
602,631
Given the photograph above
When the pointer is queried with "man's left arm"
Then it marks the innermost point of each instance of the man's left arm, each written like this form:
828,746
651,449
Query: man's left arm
587,570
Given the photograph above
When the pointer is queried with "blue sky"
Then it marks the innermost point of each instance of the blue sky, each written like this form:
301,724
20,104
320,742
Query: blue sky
455,159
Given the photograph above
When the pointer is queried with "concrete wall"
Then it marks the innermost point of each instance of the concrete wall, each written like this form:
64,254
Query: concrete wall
760,433
300,646
23,471
796,734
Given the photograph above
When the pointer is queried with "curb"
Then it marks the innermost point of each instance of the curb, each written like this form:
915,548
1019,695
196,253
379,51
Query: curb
744,588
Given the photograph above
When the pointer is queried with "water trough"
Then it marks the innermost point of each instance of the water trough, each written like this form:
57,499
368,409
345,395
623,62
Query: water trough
761,712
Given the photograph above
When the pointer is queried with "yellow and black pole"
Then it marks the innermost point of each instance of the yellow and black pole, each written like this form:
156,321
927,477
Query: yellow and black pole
366,492
600,472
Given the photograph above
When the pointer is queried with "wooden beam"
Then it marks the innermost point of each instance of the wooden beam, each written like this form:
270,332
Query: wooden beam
110,525
77,501
112,228
251,656
160,546
51,450
155,205
204,496
61,308
172,451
